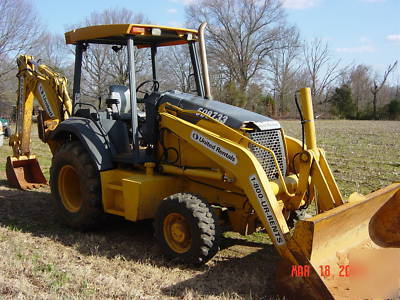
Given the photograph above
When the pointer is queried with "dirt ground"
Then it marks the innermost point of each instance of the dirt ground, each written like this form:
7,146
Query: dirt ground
41,258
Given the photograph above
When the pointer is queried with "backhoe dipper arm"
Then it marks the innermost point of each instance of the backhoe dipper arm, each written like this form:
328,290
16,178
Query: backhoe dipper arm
50,89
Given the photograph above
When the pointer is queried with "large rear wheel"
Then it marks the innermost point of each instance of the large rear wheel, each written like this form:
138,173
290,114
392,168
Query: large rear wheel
76,188
187,229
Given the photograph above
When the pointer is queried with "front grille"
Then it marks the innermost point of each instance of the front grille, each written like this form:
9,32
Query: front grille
271,139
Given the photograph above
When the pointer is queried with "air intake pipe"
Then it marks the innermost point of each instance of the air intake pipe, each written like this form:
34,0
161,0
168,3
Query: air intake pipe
309,126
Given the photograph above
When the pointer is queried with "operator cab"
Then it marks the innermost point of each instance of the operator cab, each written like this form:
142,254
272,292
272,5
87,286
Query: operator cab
130,128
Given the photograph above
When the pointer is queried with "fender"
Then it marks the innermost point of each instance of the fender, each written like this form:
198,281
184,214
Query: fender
95,141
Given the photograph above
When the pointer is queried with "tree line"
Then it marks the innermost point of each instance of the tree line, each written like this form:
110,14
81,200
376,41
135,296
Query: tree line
257,60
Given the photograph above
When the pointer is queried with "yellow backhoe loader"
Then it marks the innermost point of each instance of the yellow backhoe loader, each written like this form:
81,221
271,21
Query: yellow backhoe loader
194,164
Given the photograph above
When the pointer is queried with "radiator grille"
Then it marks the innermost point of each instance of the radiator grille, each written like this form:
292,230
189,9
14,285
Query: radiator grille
271,139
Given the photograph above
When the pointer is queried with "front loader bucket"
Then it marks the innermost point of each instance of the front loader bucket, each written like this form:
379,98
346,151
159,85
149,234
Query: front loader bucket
24,173
326,242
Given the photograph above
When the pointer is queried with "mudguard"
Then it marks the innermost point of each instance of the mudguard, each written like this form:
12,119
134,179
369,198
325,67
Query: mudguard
93,138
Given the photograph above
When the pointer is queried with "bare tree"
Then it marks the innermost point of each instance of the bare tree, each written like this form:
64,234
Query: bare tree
175,67
94,77
117,61
104,65
378,86
241,34
282,68
321,69
360,81
20,30
53,52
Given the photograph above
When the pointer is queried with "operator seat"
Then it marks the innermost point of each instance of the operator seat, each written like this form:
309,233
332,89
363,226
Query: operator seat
122,107
119,102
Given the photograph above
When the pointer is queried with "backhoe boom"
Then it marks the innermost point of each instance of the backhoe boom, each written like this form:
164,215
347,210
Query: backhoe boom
35,81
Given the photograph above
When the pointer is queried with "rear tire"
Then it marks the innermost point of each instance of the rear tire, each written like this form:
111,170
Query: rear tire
76,188
187,229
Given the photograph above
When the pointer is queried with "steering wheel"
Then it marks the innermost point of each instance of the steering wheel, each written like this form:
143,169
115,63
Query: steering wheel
154,88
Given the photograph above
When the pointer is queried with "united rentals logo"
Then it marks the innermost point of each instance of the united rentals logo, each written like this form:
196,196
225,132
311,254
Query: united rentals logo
214,147
45,101
273,224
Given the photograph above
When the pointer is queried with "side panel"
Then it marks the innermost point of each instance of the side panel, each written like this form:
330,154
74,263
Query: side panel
135,195
151,190
95,141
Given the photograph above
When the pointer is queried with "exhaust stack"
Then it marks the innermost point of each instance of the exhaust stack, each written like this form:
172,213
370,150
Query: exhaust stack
203,58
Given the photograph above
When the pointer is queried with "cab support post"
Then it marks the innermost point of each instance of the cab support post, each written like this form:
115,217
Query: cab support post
132,90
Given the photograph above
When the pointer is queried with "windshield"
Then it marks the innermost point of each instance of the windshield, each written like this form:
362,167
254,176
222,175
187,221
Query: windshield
156,69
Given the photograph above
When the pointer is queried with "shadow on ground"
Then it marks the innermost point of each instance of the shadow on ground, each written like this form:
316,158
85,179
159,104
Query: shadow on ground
251,277
33,212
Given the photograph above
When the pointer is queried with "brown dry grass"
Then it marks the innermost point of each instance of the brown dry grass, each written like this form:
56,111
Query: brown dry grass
40,258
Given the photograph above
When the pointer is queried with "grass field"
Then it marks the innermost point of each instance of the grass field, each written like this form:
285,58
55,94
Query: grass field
40,258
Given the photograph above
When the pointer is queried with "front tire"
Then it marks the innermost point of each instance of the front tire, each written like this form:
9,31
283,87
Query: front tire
76,188
187,229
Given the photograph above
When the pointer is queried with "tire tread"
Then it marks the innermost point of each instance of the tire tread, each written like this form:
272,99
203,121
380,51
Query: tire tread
91,215
204,220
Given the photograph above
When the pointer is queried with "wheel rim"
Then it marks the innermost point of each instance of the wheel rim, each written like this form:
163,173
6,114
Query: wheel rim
69,188
177,233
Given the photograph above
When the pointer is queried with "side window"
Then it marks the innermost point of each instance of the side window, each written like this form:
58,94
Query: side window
174,68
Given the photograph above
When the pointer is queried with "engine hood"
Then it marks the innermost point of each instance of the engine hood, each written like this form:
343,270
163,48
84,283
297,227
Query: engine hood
230,115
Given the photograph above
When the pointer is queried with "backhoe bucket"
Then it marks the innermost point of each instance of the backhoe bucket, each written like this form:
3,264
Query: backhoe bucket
24,173
328,242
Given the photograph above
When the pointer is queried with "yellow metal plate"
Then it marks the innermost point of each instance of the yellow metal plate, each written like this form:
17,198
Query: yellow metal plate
135,195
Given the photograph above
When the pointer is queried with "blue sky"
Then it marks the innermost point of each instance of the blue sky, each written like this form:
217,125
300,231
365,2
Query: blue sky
360,31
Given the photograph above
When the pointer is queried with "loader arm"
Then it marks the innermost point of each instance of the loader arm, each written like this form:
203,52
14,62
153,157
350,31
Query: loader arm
35,81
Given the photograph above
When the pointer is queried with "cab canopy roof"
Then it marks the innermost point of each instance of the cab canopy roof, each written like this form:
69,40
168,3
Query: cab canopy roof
143,35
